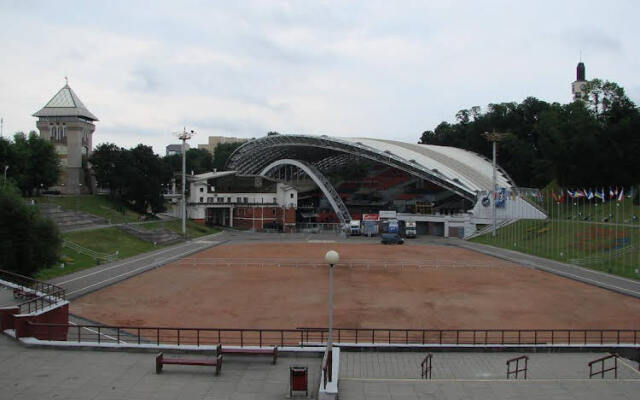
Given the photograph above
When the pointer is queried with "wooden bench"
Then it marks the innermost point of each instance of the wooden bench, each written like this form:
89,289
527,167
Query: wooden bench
269,352
161,360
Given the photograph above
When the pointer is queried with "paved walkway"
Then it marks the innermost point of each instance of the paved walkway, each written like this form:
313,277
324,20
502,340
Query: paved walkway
95,278
27,373
378,376
618,284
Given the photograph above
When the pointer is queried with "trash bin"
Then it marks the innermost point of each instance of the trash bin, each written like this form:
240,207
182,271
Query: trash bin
298,379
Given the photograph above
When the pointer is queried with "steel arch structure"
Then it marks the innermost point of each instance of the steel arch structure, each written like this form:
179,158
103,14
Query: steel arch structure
459,171
321,181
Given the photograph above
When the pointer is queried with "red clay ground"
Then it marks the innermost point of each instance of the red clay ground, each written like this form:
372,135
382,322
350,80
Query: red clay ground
498,295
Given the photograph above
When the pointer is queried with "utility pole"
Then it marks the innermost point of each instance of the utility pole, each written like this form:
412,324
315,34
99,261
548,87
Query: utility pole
494,137
184,136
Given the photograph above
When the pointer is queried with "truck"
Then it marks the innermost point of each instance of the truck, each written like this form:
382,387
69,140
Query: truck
390,226
369,224
410,229
354,227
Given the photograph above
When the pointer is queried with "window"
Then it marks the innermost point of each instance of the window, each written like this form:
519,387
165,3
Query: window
274,212
228,199
220,199
274,200
201,189
201,200
209,199
292,195
246,199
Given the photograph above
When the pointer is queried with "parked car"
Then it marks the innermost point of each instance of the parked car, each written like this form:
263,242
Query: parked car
391,238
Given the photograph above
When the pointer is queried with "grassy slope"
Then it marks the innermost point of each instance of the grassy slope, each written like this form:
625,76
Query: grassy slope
601,246
193,229
101,240
102,206
111,239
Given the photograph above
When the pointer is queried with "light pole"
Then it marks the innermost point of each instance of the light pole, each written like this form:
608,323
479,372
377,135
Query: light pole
184,136
332,257
494,137
6,167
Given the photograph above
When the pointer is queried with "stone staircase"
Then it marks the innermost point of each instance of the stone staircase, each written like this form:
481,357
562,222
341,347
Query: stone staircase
70,220
159,236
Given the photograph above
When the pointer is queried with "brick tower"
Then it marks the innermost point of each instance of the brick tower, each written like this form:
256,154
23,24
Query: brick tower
67,123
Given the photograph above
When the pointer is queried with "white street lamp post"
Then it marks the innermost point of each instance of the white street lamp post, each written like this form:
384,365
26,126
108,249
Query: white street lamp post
332,257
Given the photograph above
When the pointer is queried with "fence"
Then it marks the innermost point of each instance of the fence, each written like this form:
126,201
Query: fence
365,264
88,252
318,336
478,336
43,293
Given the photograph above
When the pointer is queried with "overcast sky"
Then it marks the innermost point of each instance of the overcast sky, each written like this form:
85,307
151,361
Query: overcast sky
236,68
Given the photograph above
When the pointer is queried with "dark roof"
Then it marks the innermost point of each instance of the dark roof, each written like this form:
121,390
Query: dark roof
65,104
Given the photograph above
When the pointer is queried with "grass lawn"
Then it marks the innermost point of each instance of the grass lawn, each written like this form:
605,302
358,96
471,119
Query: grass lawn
102,206
101,240
607,247
194,229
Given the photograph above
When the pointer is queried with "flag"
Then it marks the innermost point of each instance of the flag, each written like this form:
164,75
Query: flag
621,195
571,194
599,195
611,194
561,196
590,195
616,191
579,193
555,197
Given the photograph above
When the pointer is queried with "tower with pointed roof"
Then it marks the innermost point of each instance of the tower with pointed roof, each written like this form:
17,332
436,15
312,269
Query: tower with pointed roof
579,85
69,125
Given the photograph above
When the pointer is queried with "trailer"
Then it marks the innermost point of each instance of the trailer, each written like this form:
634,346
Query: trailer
354,227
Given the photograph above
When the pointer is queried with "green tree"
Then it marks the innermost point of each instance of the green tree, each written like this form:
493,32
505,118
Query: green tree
221,154
197,160
144,173
28,241
590,143
105,162
33,162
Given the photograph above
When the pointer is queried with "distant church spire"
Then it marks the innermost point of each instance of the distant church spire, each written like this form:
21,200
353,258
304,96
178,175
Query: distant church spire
578,87
580,73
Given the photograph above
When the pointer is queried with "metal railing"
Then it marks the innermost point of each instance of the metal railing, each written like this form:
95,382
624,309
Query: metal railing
156,335
43,293
517,369
602,360
425,367
478,337
362,264
108,257
327,367
318,336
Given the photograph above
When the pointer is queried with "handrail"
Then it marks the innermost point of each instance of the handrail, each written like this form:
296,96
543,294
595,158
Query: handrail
482,336
91,253
518,369
44,293
601,360
327,366
317,336
426,367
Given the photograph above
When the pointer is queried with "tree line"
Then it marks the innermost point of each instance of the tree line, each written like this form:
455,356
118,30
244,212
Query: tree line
590,142
29,162
139,177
